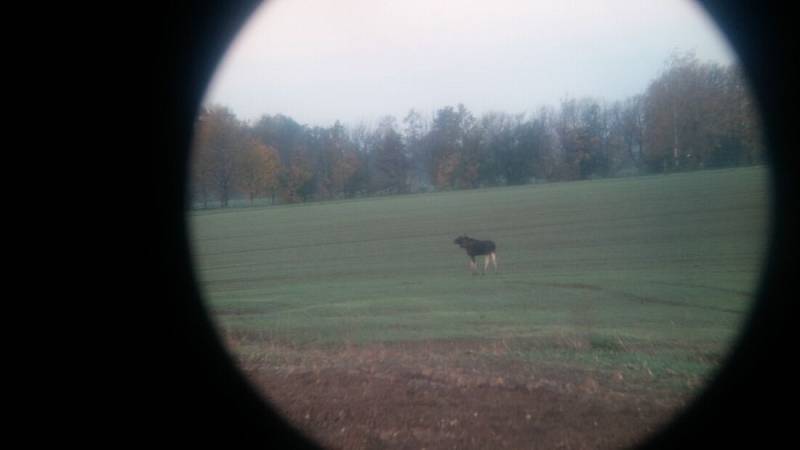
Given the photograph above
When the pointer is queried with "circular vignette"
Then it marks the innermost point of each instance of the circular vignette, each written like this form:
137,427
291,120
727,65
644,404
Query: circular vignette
201,395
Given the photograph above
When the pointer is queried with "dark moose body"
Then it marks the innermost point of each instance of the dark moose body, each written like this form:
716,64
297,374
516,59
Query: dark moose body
475,247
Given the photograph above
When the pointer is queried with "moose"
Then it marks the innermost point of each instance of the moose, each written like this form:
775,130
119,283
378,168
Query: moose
475,248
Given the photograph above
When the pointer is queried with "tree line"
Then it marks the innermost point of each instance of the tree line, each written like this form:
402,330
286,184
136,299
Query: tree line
694,115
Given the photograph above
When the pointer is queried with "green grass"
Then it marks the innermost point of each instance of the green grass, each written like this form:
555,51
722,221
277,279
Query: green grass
654,273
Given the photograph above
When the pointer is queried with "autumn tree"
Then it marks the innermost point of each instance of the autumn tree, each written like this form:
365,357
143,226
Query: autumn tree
336,160
201,162
594,139
542,138
348,172
626,131
361,139
219,139
272,169
503,158
570,140
418,149
741,140
698,115
297,179
448,139
282,133
693,115
314,143
390,166
258,170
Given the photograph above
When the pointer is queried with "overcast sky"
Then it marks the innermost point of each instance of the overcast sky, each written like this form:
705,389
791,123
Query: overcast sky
357,60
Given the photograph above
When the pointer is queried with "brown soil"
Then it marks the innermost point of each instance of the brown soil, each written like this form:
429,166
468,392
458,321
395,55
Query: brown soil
451,395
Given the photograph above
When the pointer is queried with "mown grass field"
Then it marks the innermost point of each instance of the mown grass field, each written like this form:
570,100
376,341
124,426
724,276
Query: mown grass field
651,276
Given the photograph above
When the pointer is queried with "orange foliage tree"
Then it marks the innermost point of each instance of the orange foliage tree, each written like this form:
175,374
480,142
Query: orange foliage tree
258,168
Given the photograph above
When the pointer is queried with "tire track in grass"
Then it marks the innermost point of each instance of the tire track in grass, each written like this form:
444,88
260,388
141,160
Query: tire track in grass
629,296
642,299
713,288
323,244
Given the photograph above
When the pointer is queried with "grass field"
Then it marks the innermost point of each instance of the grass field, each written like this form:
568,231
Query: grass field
651,277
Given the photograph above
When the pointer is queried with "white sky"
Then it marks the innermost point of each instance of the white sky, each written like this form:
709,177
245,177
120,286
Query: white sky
356,60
